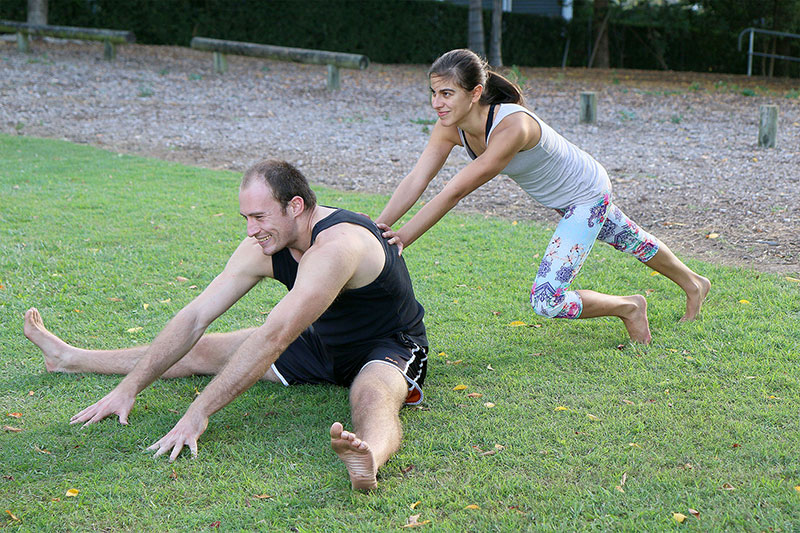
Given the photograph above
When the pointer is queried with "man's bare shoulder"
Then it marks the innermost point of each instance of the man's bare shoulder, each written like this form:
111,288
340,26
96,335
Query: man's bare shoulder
348,243
249,259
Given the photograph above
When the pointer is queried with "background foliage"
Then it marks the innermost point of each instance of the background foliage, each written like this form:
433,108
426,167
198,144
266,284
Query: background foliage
691,35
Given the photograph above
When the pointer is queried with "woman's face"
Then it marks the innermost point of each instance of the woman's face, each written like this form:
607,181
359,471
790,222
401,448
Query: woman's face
451,101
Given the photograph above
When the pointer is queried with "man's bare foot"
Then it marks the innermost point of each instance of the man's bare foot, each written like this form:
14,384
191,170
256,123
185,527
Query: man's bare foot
357,457
695,298
52,347
636,321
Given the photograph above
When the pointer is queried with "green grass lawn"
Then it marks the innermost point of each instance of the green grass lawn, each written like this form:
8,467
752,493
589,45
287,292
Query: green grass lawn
706,418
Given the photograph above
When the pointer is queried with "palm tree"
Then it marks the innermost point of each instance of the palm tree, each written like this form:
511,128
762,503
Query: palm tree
475,28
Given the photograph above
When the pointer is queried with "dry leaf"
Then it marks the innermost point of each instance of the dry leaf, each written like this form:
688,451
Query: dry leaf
31,393
712,235
181,279
654,273
727,486
42,450
145,306
488,405
11,429
694,512
628,402
517,323
797,488
489,367
624,479
496,313
459,387
744,301
456,362
71,493
262,496
168,300
407,469
173,475
619,488
415,504
795,280
15,415
442,354
474,395
219,214
592,417
679,517
487,453
413,521
14,518
116,299
134,330
472,506
561,408
633,445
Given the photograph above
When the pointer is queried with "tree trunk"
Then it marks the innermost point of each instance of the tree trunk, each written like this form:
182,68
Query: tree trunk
475,28
600,54
37,12
496,44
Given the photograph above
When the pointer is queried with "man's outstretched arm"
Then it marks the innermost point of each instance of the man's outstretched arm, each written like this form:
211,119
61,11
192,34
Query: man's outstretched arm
323,272
244,269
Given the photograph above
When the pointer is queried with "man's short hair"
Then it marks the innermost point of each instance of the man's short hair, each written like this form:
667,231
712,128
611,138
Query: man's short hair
283,179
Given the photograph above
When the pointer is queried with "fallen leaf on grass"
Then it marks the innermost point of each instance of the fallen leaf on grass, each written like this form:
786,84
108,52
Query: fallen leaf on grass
215,525
496,313
116,299
472,506
517,323
654,273
634,445
413,521
459,387
134,330
42,450
15,415
145,306
31,393
795,280
12,429
628,402
181,279
489,367
727,486
407,469
592,417
263,496
415,504
456,362
694,512
561,408
14,518
71,493
168,300
488,405
679,517
744,301
474,395
797,488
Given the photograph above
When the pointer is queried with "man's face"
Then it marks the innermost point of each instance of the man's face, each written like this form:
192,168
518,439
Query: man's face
273,228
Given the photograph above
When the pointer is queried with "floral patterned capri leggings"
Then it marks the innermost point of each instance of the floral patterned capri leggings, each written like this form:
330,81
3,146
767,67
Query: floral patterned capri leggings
572,241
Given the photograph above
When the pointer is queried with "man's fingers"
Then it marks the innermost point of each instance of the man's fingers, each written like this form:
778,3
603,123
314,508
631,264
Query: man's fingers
193,447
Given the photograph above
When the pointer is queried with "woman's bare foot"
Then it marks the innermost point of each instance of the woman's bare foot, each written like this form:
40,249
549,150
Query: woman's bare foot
636,320
53,348
695,298
357,457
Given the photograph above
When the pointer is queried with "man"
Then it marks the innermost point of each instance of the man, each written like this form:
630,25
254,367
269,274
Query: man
350,317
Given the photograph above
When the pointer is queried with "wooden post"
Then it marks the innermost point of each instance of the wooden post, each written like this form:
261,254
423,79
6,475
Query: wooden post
333,77
768,126
109,52
220,63
588,108
23,45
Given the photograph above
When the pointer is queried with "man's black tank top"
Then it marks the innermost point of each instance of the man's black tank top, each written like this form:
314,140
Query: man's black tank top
381,309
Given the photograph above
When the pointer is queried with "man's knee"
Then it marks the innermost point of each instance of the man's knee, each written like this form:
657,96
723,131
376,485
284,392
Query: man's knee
378,382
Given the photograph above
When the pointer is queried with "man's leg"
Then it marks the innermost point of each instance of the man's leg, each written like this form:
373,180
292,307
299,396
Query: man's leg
207,357
376,396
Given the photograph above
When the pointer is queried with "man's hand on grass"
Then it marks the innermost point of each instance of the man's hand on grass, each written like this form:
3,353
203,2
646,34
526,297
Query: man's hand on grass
185,433
116,402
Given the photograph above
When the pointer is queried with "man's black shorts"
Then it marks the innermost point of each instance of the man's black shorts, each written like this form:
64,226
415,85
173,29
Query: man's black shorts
309,360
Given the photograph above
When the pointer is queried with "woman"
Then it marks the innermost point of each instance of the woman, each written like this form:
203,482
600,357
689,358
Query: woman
484,112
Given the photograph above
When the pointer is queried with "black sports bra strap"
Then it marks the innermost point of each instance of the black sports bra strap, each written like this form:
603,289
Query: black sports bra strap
489,121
